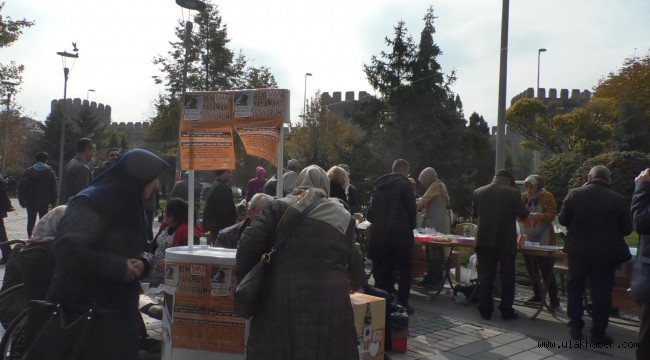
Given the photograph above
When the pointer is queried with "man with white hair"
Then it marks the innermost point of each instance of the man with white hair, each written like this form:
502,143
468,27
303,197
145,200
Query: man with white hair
597,220
229,237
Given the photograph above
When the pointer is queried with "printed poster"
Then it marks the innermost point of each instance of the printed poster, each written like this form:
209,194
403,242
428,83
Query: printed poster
261,138
203,308
205,130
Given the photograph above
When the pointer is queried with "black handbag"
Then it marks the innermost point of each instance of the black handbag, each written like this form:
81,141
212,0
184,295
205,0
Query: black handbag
58,332
249,291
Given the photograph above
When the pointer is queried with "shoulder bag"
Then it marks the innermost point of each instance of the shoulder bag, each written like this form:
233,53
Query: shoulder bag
249,290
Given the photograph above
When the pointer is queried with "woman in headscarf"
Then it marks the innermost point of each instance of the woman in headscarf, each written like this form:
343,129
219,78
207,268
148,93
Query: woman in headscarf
339,184
538,228
100,245
433,208
306,312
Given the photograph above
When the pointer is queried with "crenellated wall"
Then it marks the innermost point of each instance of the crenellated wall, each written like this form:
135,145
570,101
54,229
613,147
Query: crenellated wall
74,106
577,97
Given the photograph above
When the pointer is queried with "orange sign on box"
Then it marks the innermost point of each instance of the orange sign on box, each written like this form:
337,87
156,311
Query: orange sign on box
370,322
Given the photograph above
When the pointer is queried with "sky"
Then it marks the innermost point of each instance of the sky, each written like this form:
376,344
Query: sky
332,40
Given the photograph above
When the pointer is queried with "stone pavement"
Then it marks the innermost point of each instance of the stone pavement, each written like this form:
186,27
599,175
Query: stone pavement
442,329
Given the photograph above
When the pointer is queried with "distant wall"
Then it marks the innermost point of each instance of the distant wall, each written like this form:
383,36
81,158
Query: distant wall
577,97
74,106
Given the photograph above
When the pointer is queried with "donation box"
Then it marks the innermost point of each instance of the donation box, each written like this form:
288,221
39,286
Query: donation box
370,322
199,320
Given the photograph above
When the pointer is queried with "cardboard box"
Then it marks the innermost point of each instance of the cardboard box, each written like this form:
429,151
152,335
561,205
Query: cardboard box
370,322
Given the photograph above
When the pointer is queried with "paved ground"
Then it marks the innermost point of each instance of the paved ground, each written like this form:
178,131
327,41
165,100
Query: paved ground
442,329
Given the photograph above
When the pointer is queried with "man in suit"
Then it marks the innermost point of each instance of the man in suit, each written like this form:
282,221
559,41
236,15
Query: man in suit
597,220
497,207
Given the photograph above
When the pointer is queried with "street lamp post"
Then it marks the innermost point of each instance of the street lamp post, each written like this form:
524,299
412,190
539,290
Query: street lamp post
197,5
66,72
88,92
539,52
503,75
304,100
10,89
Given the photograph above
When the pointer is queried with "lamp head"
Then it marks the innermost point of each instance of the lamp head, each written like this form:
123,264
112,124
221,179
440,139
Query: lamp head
541,50
197,5
307,74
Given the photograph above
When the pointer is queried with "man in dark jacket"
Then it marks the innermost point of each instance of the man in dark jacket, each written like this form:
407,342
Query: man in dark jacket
220,211
597,220
37,190
641,287
5,207
77,174
112,155
392,214
497,207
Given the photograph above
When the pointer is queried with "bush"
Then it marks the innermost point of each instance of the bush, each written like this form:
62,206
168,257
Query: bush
624,166
557,172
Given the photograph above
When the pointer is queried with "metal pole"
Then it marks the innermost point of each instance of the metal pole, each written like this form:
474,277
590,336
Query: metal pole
503,75
66,71
304,101
4,151
539,52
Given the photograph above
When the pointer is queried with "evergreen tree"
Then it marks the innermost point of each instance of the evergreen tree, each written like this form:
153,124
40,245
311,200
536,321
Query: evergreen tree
421,120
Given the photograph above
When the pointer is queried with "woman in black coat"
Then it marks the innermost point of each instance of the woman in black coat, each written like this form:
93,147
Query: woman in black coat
306,312
100,244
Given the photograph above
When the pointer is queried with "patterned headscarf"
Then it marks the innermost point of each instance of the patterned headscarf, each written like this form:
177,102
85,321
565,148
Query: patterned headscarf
429,177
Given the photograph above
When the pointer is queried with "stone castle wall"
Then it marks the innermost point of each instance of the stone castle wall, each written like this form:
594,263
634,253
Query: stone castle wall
74,106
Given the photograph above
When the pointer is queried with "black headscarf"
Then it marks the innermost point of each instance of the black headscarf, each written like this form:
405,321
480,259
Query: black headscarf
117,191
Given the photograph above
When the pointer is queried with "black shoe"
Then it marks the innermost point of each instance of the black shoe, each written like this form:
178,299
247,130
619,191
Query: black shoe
576,334
409,309
510,315
601,338
555,305
485,315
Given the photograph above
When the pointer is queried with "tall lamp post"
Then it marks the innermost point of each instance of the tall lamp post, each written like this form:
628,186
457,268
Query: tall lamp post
503,75
66,72
539,52
10,90
536,152
304,100
88,93
197,5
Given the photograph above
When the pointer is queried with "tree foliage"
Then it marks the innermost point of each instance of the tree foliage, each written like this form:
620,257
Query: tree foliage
558,170
630,84
418,117
586,129
624,167
211,64
322,139
10,31
631,132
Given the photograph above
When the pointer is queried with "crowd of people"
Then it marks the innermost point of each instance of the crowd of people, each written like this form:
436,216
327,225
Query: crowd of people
105,245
